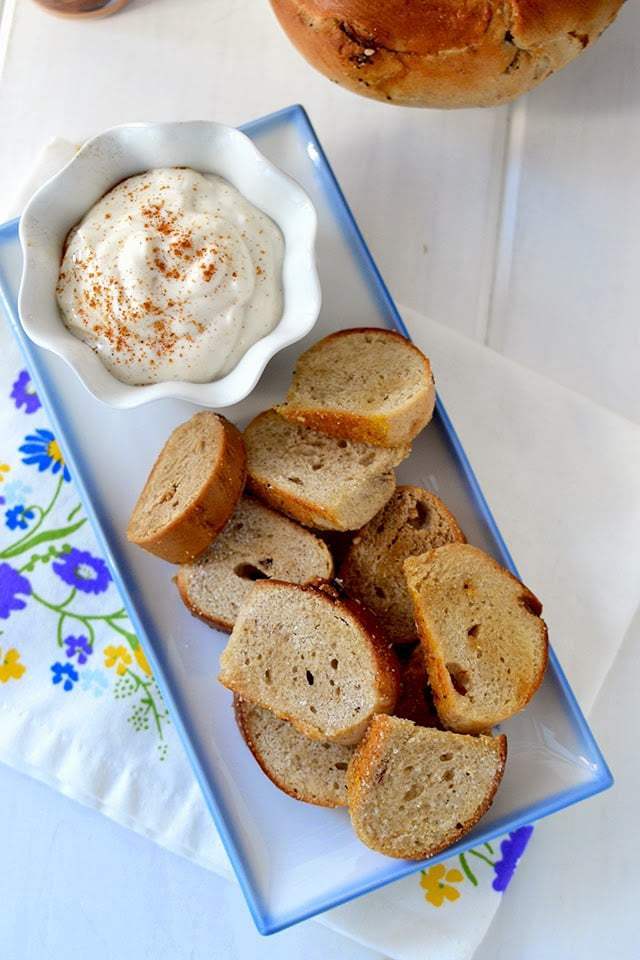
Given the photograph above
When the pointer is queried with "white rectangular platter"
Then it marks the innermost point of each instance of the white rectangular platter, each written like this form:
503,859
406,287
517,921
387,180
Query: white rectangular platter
292,860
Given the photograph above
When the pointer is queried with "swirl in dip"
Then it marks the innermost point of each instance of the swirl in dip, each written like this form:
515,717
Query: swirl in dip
172,275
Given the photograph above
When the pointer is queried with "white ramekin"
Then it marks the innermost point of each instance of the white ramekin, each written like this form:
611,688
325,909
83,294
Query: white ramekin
133,148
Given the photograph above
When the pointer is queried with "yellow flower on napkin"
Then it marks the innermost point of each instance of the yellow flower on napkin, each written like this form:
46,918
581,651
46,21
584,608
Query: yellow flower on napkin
436,883
118,657
54,452
143,663
10,666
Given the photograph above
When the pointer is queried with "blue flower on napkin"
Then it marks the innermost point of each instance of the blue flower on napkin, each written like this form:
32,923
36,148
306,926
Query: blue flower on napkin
511,849
15,492
94,681
83,571
66,674
78,647
12,584
41,448
23,394
18,517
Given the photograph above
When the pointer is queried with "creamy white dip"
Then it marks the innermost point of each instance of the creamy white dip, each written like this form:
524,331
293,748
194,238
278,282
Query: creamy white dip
172,275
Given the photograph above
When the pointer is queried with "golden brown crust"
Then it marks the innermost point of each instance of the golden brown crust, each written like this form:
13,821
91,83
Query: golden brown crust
373,429
238,709
388,668
361,775
191,531
444,694
387,672
301,510
378,429
537,21
442,53
364,761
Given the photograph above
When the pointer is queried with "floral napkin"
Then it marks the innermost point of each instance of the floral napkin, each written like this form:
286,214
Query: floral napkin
54,586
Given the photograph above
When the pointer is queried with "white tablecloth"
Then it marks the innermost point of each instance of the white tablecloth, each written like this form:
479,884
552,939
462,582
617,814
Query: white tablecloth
440,192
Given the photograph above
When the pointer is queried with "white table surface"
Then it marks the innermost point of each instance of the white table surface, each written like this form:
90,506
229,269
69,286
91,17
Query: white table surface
518,227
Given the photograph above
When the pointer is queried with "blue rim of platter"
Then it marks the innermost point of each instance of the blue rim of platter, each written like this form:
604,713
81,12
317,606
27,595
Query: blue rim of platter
264,921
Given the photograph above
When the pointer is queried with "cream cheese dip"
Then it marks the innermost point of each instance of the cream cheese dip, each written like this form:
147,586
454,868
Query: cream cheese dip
172,275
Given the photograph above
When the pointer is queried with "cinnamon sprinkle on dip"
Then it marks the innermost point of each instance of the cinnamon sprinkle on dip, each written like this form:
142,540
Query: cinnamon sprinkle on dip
172,275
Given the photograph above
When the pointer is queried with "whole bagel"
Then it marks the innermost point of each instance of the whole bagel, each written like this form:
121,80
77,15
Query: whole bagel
442,53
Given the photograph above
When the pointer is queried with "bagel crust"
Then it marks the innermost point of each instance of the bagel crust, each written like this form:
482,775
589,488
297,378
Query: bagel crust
442,53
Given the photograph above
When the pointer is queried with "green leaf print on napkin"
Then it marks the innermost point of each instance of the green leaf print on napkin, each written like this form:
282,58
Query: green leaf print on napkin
48,549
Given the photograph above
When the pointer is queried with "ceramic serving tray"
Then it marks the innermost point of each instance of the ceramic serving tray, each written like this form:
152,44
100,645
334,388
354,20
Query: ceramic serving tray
292,860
